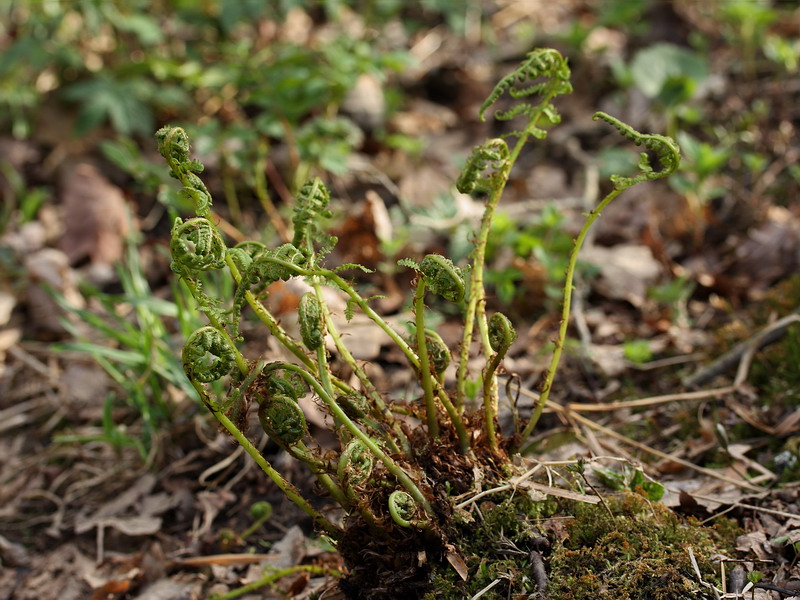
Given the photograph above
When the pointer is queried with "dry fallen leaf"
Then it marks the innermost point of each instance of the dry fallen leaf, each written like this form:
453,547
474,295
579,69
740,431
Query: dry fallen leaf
626,271
96,220
455,560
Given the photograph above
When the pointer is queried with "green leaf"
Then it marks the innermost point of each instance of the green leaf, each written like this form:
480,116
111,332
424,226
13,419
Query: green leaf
667,68
637,351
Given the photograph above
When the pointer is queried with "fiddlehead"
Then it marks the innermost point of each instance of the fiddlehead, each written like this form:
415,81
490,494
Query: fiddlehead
243,253
438,352
668,154
282,419
311,205
287,383
355,405
195,246
207,356
501,333
442,277
665,148
173,145
355,464
402,508
312,324
267,267
545,73
492,155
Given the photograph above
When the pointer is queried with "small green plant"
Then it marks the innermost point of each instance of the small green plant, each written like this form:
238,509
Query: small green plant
393,480
138,353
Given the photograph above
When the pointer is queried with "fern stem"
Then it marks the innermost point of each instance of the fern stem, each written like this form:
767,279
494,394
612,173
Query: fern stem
391,466
565,313
367,385
287,488
424,360
376,318
476,307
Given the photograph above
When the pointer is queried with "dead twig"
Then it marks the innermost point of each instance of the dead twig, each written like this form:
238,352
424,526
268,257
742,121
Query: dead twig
742,353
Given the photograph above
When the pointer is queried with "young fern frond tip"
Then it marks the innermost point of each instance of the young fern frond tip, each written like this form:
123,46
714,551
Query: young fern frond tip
442,277
312,324
493,155
311,206
501,333
282,419
402,508
665,148
355,463
548,75
267,267
438,352
195,246
207,356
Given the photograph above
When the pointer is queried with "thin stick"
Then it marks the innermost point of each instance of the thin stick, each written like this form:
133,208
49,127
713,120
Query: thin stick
651,401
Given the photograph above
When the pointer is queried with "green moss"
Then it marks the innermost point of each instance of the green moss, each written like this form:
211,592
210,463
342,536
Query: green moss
496,544
640,552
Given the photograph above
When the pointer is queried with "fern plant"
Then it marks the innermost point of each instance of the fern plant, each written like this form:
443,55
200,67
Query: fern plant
392,478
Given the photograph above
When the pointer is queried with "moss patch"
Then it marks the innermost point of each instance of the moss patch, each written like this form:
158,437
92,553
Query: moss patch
639,553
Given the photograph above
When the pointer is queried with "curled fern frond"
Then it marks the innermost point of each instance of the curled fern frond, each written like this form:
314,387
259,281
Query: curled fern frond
492,155
355,405
355,463
442,277
207,355
665,148
196,246
544,73
282,419
243,253
266,268
173,145
402,508
501,333
312,323
438,352
310,207
287,383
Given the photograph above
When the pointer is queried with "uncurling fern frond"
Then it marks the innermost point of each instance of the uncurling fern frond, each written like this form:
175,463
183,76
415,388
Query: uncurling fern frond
355,463
664,147
173,145
442,277
494,156
243,253
547,75
311,205
196,246
207,356
282,419
312,323
266,268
